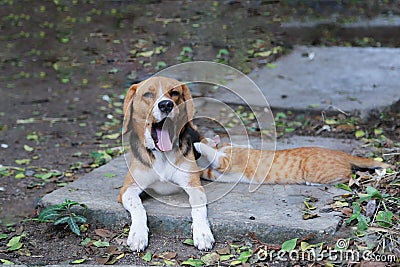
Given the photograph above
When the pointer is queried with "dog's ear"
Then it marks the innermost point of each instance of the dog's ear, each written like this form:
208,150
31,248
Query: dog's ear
127,125
189,105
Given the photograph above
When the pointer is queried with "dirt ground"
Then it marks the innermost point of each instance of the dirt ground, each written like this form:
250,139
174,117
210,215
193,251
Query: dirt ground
65,66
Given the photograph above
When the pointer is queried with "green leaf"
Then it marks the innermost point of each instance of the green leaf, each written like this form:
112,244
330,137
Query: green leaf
359,133
309,206
280,115
69,203
85,241
289,244
356,213
186,49
384,218
28,148
193,262
225,257
119,111
33,137
344,187
25,121
48,216
78,261
62,220
15,247
101,244
304,246
22,161
110,175
3,236
80,218
20,175
145,54
14,243
263,54
363,222
189,242
6,262
378,131
330,121
50,213
169,262
235,262
111,136
373,192
147,257
44,176
161,65
245,255
290,130
73,226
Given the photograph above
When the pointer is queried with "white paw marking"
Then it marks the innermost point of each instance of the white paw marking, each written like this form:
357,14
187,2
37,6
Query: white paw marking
202,237
137,238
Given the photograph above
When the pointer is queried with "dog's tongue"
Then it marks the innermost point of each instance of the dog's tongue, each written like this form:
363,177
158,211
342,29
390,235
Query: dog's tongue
164,141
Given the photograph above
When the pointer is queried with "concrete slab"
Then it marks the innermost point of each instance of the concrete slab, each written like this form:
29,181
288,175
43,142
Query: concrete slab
273,212
347,78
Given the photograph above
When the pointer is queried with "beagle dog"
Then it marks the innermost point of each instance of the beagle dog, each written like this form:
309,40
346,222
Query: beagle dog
158,124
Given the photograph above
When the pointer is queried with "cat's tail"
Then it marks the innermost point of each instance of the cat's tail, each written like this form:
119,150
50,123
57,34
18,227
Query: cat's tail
368,163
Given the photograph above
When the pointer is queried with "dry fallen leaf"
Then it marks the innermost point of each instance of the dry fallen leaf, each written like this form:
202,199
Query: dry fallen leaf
168,255
370,208
104,233
347,211
309,216
223,251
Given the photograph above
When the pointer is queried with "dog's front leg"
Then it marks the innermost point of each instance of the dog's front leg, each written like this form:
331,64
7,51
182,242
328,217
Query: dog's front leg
202,236
138,233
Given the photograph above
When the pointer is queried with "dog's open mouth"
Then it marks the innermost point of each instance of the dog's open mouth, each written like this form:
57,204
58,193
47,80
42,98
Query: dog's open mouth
161,134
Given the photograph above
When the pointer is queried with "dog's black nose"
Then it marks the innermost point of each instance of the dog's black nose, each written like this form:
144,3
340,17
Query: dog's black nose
166,106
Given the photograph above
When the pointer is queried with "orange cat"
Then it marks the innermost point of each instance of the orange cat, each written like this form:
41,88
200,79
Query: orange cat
305,165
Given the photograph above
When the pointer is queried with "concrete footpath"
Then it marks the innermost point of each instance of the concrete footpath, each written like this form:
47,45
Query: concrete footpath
273,212
325,78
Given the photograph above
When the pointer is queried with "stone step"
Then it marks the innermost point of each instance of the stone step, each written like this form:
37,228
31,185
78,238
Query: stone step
272,212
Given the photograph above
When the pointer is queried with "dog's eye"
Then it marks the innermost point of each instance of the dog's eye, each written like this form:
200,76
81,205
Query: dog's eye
174,93
148,95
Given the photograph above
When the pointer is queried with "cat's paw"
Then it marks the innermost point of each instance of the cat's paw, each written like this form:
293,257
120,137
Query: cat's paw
198,146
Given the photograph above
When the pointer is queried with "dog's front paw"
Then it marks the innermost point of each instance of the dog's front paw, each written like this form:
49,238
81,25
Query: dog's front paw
203,238
137,238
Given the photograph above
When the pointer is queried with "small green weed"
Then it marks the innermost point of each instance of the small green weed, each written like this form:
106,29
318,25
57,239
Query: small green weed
63,214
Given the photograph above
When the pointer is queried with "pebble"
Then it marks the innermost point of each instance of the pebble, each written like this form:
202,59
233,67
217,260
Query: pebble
29,173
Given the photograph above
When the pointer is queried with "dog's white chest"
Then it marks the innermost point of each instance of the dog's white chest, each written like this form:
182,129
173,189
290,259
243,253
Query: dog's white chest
164,166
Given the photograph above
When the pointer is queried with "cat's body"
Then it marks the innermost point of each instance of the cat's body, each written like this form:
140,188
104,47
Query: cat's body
305,165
